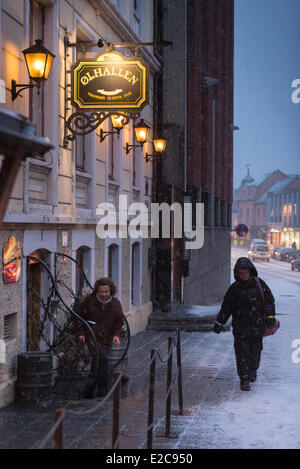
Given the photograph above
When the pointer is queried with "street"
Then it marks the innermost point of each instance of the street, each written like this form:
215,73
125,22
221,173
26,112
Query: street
268,415
217,414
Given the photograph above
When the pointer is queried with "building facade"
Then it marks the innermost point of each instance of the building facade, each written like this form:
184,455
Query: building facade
195,103
53,205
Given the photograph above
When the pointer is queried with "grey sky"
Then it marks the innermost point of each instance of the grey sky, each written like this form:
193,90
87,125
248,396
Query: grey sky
267,60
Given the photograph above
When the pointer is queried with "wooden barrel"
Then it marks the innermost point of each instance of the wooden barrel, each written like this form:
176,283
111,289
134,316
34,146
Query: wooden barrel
116,353
34,377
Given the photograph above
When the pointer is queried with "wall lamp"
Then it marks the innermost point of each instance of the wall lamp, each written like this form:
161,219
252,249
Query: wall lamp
159,147
141,130
38,61
118,122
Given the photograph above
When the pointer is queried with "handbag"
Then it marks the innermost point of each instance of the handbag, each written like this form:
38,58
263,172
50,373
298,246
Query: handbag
269,330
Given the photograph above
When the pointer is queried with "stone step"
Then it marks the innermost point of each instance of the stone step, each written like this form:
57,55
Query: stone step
185,317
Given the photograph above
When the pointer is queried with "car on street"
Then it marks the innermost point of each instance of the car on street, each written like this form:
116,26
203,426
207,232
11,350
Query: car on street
258,241
293,254
284,254
295,264
276,251
259,252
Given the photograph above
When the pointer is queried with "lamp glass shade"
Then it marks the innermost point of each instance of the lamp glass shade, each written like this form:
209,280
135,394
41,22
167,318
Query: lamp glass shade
160,144
36,64
38,60
117,121
48,65
141,131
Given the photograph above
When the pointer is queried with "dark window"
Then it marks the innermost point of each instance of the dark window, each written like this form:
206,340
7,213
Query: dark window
36,97
80,149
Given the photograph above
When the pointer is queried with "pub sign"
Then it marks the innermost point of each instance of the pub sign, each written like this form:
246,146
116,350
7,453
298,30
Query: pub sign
110,82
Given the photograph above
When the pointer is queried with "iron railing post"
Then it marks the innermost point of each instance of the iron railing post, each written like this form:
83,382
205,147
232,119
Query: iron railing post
116,413
179,371
151,400
58,436
169,390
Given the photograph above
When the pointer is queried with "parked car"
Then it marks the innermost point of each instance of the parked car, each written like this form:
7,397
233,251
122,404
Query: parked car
275,249
259,252
284,254
292,254
295,264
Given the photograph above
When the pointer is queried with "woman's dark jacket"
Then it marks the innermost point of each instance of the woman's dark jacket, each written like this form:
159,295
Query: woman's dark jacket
107,316
243,300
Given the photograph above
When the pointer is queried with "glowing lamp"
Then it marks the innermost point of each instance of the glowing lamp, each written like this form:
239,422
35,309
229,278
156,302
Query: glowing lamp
141,131
160,144
117,121
39,61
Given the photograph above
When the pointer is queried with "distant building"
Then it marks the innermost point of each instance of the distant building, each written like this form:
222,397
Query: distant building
283,212
270,208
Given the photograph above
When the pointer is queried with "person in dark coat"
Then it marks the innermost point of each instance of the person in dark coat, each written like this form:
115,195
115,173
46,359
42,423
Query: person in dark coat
243,301
105,315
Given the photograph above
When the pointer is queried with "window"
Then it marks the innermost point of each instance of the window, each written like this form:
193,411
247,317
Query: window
206,200
119,4
135,155
112,150
137,16
82,142
36,97
83,269
135,274
80,149
113,263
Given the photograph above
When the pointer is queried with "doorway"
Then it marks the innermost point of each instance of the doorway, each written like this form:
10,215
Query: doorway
39,330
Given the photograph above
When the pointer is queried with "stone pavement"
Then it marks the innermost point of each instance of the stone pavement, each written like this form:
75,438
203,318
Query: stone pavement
217,414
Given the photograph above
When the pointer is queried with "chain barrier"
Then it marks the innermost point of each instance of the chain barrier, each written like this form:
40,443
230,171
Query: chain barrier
56,430
52,431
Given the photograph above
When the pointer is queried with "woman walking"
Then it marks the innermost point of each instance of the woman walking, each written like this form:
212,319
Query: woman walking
250,312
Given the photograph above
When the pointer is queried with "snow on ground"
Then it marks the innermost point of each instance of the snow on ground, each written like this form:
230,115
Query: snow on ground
269,415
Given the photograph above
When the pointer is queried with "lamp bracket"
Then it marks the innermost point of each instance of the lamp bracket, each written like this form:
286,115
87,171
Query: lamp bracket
14,86
104,134
148,157
128,147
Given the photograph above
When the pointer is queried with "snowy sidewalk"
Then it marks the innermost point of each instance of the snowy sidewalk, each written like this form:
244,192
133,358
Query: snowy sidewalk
218,413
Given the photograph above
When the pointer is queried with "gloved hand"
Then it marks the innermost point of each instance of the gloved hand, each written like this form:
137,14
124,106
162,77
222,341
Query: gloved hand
218,327
270,321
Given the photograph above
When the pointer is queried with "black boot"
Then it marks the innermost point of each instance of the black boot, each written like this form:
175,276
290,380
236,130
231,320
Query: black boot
252,376
245,386
88,392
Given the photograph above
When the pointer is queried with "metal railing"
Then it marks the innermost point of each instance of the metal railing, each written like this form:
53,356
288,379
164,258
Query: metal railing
56,432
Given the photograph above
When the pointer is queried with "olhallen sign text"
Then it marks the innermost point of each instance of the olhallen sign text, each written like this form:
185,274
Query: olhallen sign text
110,82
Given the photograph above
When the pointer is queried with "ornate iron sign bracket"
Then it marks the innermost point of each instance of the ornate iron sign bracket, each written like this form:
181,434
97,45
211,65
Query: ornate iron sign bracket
83,122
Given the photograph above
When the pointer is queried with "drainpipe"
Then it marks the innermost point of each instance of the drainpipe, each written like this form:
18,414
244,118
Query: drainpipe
185,124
